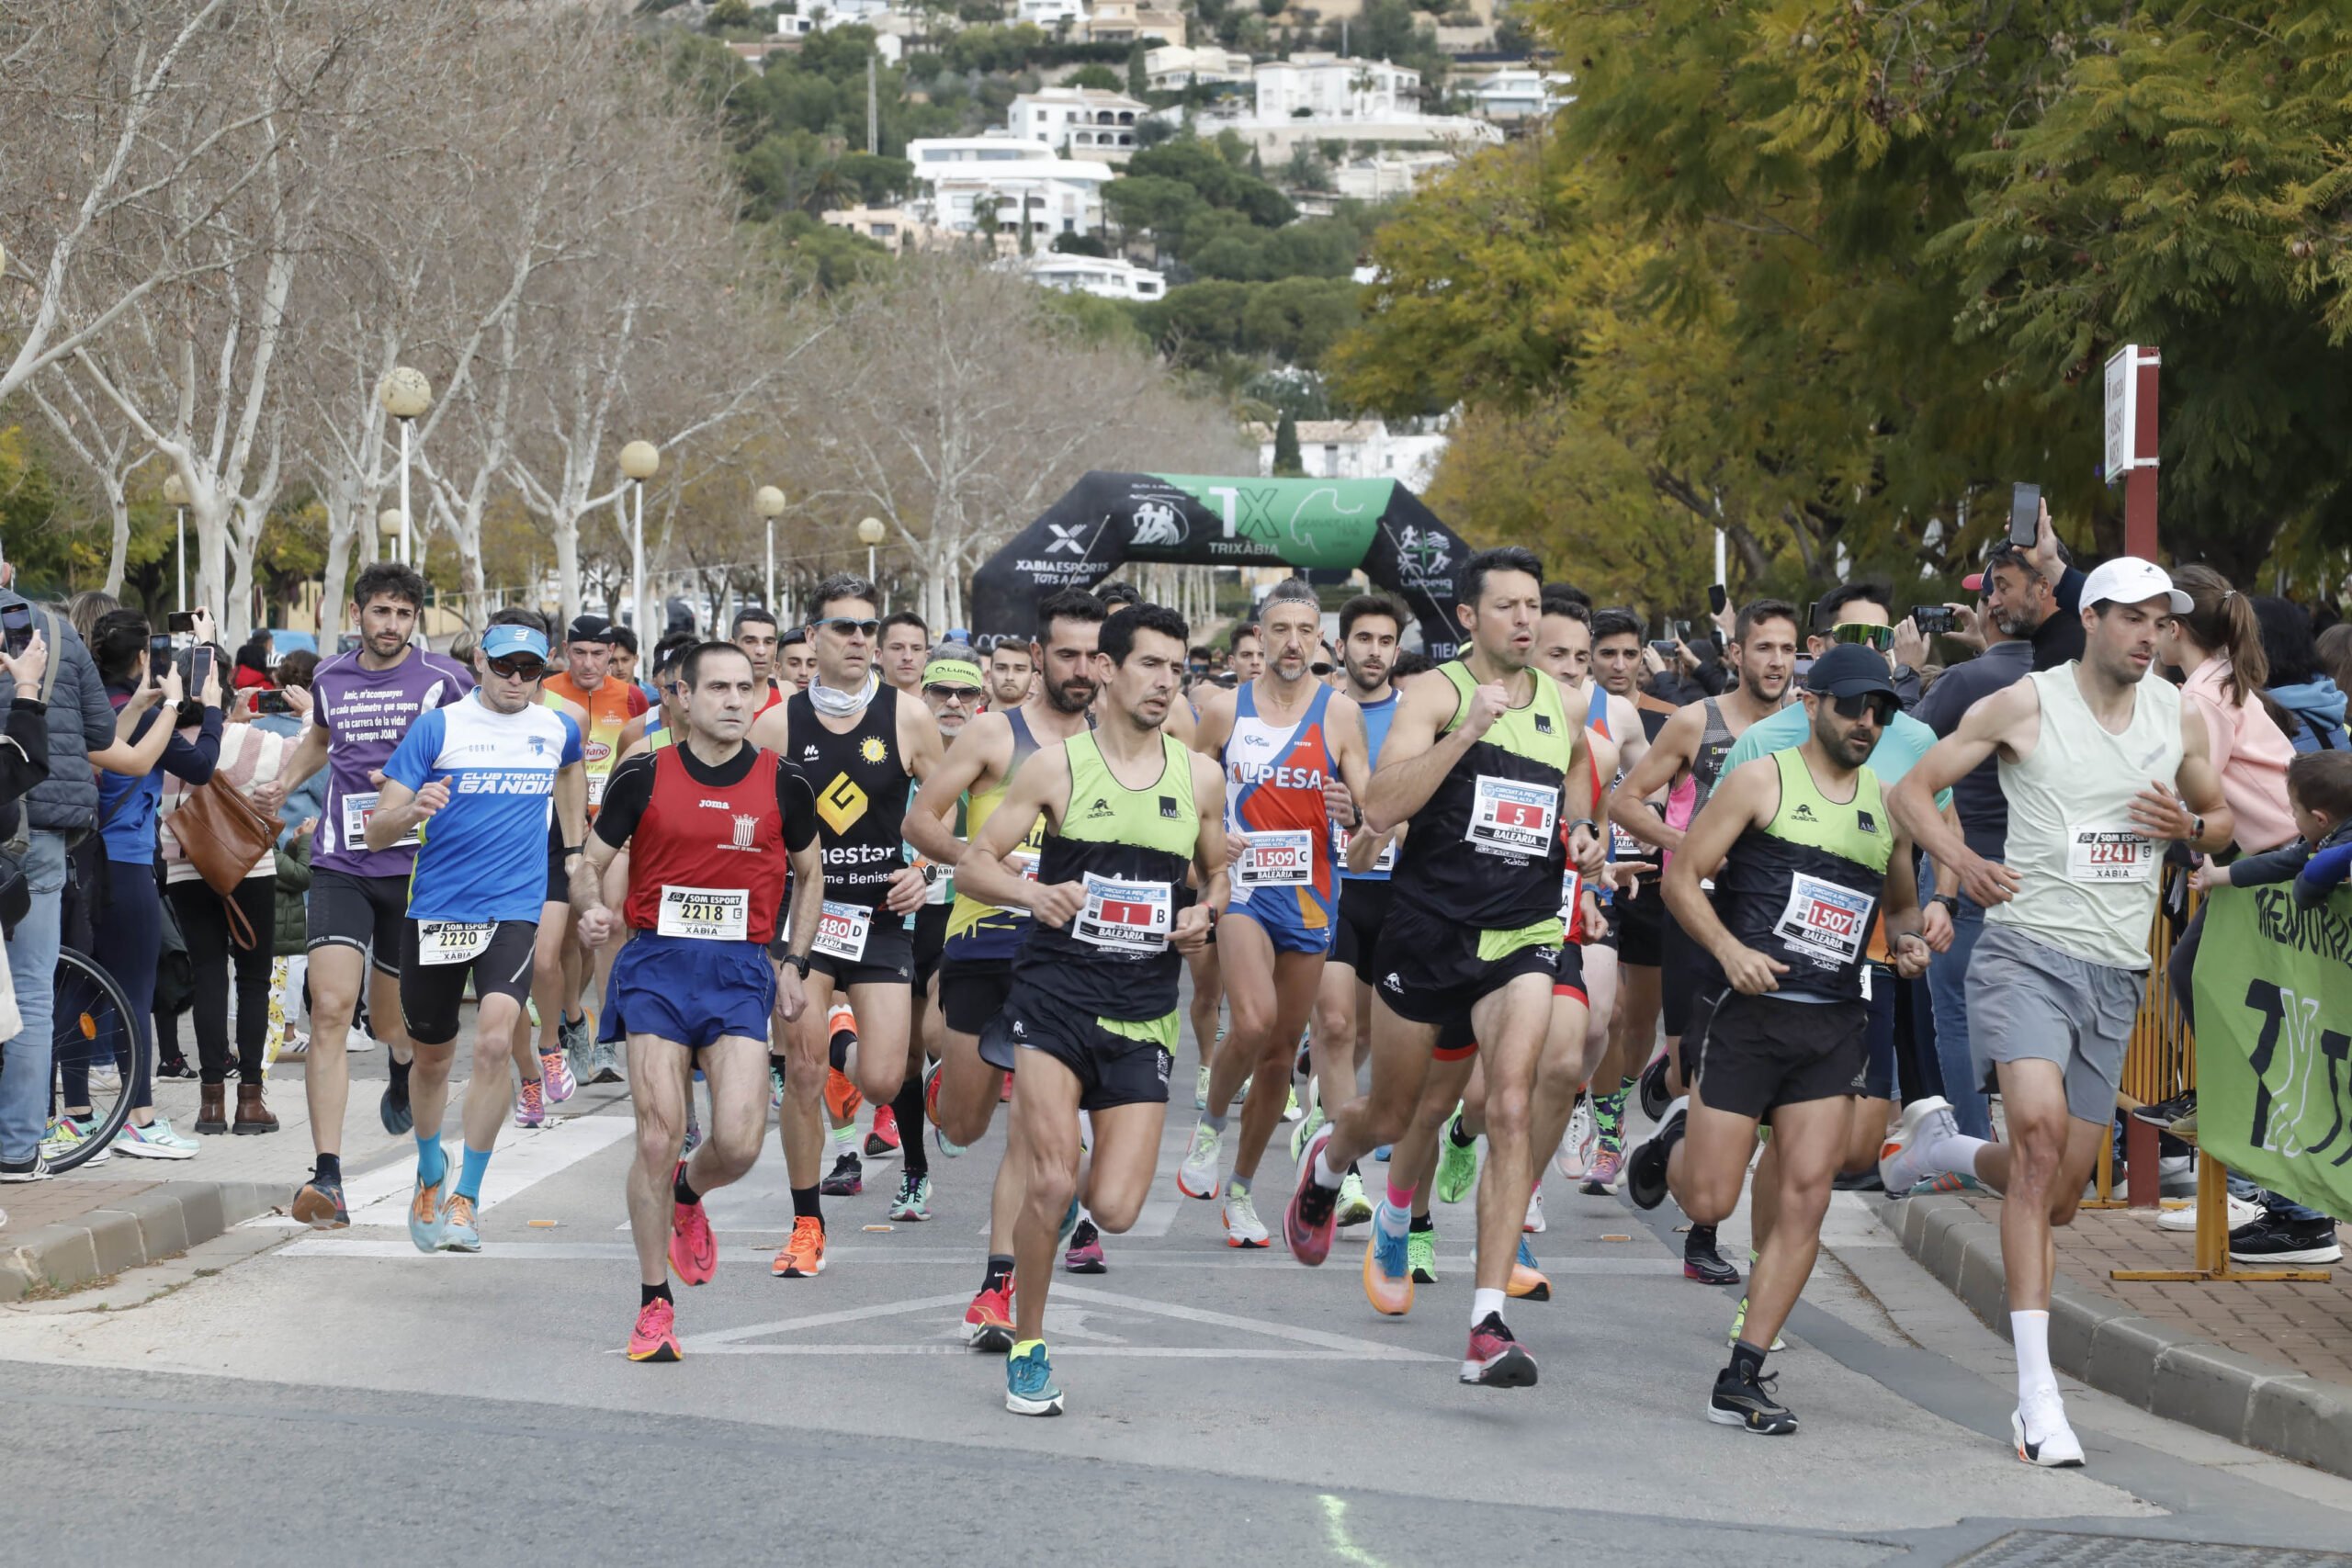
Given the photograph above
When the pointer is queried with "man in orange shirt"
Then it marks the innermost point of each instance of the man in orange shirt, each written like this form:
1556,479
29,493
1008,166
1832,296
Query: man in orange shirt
617,719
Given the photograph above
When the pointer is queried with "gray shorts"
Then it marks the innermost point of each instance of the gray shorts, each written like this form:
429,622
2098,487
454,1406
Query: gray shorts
2028,1001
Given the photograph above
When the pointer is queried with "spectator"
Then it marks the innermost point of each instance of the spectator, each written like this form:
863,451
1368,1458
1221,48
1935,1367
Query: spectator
1863,611
625,665
24,763
224,932
81,736
253,663
289,971
2308,705
127,815
2335,654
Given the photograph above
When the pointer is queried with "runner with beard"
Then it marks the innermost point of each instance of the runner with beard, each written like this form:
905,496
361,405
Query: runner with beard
962,1092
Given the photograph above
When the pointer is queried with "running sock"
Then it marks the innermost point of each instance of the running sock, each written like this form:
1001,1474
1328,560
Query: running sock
682,1190
1457,1135
431,1164
838,1050
1422,1223
400,1082
1325,1176
843,1139
1484,1302
998,1267
1956,1153
908,1108
1216,1123
1746,1358
805,1205
472,1163
649,1295
1023,1347
1241,1182
1392,1220
1400,1198
330,1169
1700,1239
2031,1333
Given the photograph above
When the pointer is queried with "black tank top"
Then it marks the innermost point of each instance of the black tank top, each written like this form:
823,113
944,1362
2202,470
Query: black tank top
861,783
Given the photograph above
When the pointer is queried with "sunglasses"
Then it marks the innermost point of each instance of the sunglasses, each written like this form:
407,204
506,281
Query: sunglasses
1319,667
847,628
954,693
1879,638
518,666
1878,705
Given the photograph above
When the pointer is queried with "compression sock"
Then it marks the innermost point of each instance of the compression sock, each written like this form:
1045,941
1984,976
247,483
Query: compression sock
908,1108
2031,1333
431,1164
682,1190
472,1163
805,1205
1400,1198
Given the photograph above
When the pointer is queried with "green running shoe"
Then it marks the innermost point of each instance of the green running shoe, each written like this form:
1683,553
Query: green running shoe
1354,1207
1739,1322
1457,1164
1420,1253
1306,1129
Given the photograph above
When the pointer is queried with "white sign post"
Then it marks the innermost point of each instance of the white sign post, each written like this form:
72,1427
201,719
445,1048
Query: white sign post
2122,412
2131,442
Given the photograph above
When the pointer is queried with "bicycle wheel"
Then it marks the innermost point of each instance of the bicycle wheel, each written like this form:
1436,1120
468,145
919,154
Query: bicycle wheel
93,1048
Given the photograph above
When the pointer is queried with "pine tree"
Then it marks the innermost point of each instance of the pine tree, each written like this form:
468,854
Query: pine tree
1287,457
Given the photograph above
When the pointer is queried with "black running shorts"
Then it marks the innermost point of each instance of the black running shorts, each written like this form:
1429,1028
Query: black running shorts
431,994
1756,1052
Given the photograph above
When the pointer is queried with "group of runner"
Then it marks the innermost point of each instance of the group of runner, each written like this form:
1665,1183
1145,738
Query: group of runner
842,863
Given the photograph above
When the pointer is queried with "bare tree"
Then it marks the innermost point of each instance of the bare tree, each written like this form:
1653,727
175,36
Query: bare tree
107,444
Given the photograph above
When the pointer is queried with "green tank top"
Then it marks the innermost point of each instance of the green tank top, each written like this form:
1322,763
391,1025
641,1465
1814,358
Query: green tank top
1486,850
1804,888
1129,847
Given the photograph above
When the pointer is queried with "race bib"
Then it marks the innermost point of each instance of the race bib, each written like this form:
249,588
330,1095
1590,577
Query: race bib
1571,900
1282,858
1025,862
840,930
357,809
1824,921
1508,818
1386,860
705,914
596,783
2110,854
1125,916
452,942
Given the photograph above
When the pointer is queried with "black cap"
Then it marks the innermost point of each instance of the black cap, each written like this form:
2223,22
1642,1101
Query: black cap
589,629
1850,669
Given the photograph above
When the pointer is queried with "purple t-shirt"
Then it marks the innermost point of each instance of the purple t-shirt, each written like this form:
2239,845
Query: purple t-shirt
365,712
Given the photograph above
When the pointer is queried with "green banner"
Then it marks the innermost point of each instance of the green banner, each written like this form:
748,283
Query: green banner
1307,523
2274,1043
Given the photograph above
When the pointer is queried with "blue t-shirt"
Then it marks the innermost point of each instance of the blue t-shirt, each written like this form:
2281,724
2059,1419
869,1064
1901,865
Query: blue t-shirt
1901,744
484,855
1377,717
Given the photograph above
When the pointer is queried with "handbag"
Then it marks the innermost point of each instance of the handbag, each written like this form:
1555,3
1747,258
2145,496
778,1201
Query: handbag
224,836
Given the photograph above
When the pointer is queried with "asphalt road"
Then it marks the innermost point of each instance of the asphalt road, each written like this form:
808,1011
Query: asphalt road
279,1396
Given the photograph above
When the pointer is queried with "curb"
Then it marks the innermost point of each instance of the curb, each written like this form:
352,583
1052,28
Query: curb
2153,1365
164,1221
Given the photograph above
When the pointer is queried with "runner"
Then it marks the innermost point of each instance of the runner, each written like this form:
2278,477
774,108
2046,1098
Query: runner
475,782
362,702
1805,853
1279,739
906,644
754,632
1471,948
2101,766
862,747
709,824
1249,645
1636,914
1013,673
1091,1010
546,1073
976,970
616,712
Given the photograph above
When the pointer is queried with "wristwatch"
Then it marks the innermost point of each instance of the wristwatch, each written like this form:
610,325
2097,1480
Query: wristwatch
799,961
1951,901
930,870
2196,827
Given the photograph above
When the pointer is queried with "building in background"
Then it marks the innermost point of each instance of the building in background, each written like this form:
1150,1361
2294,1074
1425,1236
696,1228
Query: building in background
969,185
1359,449
1078,122
1105,278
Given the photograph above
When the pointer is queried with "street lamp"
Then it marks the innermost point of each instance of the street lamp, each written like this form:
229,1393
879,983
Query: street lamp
768,502
176,492
869,533
640,460
405,394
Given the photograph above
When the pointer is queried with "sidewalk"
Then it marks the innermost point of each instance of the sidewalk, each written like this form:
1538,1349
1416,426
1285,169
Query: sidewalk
2268,1365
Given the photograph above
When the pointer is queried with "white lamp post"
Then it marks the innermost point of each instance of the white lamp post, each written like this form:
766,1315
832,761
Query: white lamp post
869,533
176,492
768,502
640,460
405,394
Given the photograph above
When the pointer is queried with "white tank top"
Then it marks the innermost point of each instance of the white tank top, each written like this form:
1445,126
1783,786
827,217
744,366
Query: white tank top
2089,879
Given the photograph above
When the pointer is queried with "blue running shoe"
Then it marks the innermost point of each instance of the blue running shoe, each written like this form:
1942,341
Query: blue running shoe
1387,1269
1029,1387
1527,1282
457,1232
1069,1228
1382,1153
425,1214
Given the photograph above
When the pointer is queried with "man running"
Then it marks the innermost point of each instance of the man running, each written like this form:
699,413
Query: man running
976,970
711,825
2100,767
754,633
1477,760
862,747
1803,852
477,783
906,644
1637,913
362,704
1091,1010
616,712
1279,739
798,660
1013,673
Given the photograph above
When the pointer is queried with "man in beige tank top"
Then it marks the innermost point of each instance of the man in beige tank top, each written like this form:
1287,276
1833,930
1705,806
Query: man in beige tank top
2100,767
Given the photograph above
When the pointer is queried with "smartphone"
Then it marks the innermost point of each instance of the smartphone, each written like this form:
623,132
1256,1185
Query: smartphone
159,658
345,643
1666,648
1811,614
1933,620
180,621
272,702
2025,515
1717,598
17,629
199,667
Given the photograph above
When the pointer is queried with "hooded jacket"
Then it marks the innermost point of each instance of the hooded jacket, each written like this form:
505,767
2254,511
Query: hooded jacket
2321,707
81,721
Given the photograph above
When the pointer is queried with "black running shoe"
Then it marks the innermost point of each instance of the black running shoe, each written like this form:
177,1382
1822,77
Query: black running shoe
1654,1093
1645,1166
847,1179
393,1107
1743,1398
1702,1262
2164,1112
319,1204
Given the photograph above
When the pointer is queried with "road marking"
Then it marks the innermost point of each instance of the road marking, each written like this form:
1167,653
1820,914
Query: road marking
1335,1522
521,1159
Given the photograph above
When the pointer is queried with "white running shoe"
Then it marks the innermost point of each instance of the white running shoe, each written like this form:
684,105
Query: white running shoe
105,1078
1355,1206
154,1141
1242,1227
2044,1437
1533,1223
2242,1214
357,1039
1291,1112
1901,1160
1196,1177
1200,1089
1582,1146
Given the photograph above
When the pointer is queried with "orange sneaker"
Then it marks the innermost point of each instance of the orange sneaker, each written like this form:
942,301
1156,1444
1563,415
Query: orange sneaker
840,1021
1004,1095
802,1255
693,1251
655,1338
841,1099
988,1322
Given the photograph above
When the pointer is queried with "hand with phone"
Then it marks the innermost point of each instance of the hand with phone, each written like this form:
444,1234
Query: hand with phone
207,677
25,665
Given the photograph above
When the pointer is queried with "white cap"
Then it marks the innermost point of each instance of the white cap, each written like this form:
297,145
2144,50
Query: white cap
2128,580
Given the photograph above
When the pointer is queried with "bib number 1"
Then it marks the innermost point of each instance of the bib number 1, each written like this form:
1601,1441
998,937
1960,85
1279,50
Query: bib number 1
1125,916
